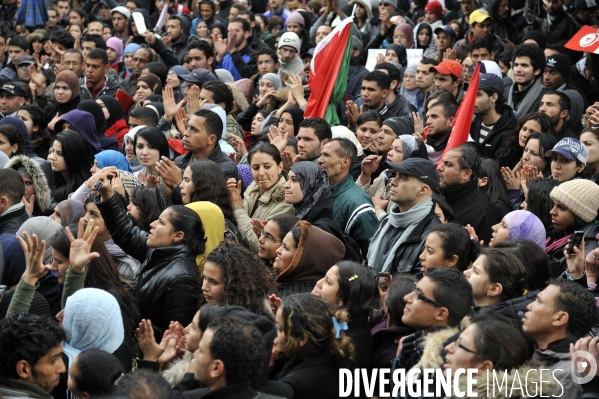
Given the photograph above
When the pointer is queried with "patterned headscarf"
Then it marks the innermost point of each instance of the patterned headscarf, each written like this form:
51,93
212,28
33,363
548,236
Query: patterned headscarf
524,225
315,185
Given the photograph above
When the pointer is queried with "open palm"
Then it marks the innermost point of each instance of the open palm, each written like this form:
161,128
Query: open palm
80,254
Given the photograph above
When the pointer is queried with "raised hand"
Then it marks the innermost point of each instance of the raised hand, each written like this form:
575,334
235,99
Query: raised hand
34,258
379,202
288,160
473,234
588,345
239,145
220,48
258,225
277,138
297,90
234,188
575,262
275,303
266,99
370,164
180,121
193,100
512,179
171,108
80,254
418,125
170,173
29,203
147,344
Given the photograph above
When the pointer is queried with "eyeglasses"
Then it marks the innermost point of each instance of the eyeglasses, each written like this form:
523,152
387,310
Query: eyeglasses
269,237
421,297
140,60
459,345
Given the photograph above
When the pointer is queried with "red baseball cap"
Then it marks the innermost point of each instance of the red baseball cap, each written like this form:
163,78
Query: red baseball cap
448,67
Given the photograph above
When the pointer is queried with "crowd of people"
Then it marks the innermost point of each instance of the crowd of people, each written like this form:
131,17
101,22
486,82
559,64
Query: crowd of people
173,225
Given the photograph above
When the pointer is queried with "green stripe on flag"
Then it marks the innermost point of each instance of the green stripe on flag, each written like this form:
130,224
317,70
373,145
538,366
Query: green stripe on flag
331,115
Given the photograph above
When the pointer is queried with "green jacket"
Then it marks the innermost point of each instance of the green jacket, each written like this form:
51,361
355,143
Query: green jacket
353,211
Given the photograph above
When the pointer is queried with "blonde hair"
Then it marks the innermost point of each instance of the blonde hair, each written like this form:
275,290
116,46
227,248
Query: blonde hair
311,317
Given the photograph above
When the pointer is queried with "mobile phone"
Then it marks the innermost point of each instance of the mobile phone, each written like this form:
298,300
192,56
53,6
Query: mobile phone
383,280
98,186
575,241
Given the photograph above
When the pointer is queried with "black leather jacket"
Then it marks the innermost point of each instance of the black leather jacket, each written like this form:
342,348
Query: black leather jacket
168,285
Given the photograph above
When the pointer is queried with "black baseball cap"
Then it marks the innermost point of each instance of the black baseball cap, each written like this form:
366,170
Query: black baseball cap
26,59
14,89
421,168
199,75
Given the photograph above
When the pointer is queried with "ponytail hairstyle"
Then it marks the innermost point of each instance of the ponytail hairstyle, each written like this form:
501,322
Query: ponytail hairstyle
186,220
97,373
208,312
357,289
535,261
245,277
505,268
309,316
457,241
149,204
402,285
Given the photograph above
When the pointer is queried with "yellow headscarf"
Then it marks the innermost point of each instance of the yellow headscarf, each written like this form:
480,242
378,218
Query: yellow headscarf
213,221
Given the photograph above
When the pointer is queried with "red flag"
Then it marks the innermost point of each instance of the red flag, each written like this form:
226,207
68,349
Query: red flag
463,116
326,67
586,39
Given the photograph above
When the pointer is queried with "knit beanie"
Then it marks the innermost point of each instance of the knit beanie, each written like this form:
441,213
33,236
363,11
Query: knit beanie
435,7
274,79
290,39
296,17
400,124
580,196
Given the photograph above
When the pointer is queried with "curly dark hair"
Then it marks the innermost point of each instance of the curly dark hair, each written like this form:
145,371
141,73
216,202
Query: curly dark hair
238,344
536,55
42,332
580,305
245,277
211,185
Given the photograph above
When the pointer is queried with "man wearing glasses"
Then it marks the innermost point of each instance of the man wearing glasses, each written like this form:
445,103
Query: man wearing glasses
440,301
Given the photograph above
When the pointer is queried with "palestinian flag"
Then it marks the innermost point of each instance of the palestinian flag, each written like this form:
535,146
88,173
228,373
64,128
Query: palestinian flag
328,73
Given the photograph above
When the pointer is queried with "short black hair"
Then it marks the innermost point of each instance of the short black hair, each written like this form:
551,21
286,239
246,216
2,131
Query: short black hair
429,61
98,54
147,115
393,71
321,127
481,42
536,55
580,305
203,46
158,69
98,371
147,50
238,344
11,185
245,25
19,41
220,93
449,108
75,51
212,122
453,291
42,334
62,37
469,159
381,78
97,39
564,101
109,26
346,149
270,53
143,384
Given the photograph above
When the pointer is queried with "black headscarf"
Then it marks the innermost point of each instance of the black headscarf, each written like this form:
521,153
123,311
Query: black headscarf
114,109
297,115
315,186
401,52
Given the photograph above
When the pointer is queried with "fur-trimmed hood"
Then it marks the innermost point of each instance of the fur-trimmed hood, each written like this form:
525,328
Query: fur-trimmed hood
434,343
43,194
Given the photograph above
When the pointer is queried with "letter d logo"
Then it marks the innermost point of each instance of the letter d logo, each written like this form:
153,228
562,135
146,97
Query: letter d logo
589,365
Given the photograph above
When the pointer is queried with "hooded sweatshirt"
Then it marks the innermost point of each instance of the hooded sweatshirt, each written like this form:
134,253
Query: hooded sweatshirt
94,108
180,47
29,167
84,124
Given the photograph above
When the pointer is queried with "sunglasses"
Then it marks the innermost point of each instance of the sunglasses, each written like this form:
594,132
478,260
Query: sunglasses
421,297
459,345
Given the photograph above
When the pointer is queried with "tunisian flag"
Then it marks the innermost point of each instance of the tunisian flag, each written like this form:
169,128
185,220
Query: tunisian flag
463,116
328,73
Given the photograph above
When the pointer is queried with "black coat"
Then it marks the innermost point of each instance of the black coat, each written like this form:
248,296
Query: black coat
311,377
502,129
470,206
224,162
10,224
359,333
400,107
562,28
168,285
189,388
